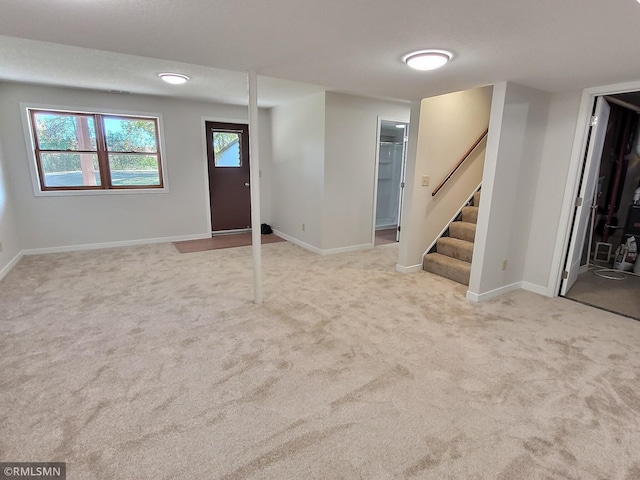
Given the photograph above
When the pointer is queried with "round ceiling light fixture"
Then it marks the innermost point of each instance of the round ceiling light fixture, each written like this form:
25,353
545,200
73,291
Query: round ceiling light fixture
427,59
174,78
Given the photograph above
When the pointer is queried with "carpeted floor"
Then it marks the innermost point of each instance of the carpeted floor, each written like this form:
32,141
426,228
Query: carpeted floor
143,363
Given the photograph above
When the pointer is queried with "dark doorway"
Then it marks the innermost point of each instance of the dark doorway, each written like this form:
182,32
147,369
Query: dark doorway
605,278
228,161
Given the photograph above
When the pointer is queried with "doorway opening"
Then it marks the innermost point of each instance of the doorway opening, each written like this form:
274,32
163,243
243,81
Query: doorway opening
228,169
389,185
607,212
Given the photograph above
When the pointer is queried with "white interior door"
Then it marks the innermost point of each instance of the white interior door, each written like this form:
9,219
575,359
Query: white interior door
587,189
391,156
405,140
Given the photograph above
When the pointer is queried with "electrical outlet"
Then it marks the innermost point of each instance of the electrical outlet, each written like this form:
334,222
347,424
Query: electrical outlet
504,265
425,180
303,227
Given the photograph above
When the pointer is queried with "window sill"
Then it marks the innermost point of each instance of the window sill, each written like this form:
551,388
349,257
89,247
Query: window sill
73,193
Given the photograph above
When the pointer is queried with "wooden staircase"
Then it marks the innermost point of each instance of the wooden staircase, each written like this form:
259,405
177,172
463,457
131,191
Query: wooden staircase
453,253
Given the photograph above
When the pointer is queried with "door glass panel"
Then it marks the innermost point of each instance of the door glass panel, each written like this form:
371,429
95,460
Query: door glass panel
226,149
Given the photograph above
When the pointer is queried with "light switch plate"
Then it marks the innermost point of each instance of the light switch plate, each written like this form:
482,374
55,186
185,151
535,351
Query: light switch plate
425,180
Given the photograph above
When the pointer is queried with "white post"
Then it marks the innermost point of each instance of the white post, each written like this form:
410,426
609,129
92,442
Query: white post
254,176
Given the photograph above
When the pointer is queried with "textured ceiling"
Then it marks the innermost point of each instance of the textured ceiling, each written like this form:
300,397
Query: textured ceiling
351,47
32,61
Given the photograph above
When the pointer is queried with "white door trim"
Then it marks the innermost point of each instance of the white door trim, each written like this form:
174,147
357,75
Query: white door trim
573,176
205,164
583,212
375,182
377,167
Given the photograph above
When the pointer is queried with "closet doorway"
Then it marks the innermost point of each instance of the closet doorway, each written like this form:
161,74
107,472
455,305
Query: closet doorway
607,215
390,169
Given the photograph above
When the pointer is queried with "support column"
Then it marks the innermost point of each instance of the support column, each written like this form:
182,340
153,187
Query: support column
254,176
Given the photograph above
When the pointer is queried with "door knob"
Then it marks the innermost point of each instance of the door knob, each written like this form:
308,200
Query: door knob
246,184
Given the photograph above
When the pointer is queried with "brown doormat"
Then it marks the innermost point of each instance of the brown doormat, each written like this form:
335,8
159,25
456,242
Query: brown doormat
222,241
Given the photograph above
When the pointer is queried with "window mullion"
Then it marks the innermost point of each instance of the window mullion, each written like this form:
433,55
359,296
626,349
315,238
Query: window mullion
36,143
158,155
103,157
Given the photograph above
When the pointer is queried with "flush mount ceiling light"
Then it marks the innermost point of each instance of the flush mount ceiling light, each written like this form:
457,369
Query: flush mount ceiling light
173,78
427,59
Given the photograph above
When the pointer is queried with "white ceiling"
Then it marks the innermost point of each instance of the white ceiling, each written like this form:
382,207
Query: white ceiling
351,46
31,61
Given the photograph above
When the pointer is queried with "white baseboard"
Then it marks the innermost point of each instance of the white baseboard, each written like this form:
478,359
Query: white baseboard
352,248
300,243
528,286
482,297
7,268
319,251
411,269
539,289
124,243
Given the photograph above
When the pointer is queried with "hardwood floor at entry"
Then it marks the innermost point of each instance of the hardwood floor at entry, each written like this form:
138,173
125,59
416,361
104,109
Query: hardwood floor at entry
223,241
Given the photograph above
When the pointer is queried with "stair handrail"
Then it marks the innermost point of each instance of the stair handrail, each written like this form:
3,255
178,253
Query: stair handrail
460,162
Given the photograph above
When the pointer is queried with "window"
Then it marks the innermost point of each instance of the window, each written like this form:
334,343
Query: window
226,148
91,151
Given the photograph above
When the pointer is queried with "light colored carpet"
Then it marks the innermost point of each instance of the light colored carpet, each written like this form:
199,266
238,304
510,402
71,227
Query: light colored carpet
142,363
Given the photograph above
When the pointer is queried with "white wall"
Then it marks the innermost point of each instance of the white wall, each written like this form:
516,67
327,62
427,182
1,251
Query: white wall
323,168
9,236
550,189
67,221
448,126
297,174
517,131
409,258
351,126
266,165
